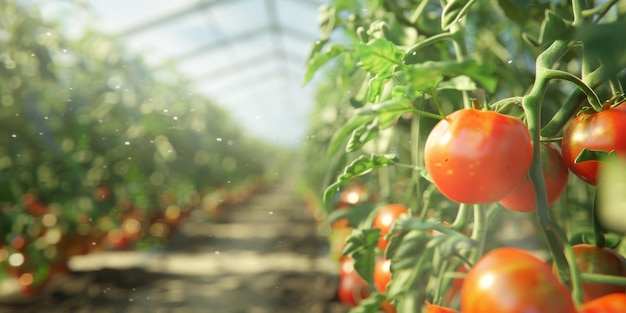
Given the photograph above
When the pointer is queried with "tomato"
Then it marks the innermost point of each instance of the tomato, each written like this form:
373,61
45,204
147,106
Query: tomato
352,289
513,280
353,194
555,173
613,303
597,260
431,308
384,220
346,266
594,131
382,274
476,156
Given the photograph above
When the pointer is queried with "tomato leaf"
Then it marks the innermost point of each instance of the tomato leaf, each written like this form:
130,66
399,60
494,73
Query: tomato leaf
356,214
425,76
408,249
369,305
346,130
454,11
376,87
361,245
362,135
380,57
361,166
553,28
594,155
600,41
319,59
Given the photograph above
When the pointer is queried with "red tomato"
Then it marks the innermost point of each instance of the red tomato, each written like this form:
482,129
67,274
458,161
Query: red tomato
555,173
352,289
476,156
384,220
382,274
431,308
613,303
508,280
596,260
594,131
346,266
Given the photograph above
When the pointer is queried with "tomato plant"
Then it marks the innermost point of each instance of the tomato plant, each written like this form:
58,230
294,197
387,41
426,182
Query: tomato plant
486,150
513,280
402,81
555,174
384,220
594,131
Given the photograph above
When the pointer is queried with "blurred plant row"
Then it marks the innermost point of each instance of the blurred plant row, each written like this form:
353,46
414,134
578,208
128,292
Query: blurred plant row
99,152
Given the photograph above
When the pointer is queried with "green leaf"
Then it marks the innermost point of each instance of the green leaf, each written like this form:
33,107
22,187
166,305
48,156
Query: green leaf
346,130
388,111
362,135
380,57
461,83
320,59
361,166
454,11
361,245
425,76
376,87
410,249
605,42
553,28
356,214
369,305
594,155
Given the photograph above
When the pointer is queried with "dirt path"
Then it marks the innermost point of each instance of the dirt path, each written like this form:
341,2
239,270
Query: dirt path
264,257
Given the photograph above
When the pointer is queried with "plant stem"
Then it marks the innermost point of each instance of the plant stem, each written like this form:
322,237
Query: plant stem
416,160
479,233
591,95
458,43
461,217
577,291
603,279
532,106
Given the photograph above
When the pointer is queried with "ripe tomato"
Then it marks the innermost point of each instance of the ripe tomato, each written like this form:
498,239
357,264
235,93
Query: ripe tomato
476,156
555,173
512,280
613,303
382,274
384,220
431,308
594,131
352,289
596,260
346,266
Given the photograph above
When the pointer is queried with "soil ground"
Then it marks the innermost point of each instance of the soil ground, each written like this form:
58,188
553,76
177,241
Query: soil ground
265,256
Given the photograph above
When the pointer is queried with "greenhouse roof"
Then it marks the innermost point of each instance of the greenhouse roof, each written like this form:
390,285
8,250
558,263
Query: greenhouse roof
247,55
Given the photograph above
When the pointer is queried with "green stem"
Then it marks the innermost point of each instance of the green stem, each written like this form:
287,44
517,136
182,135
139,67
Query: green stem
532,107
479,232
427,114
616,86
601,10
604,279
573,103
577,290
592,98
416,160
461,217
458,43
597,230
